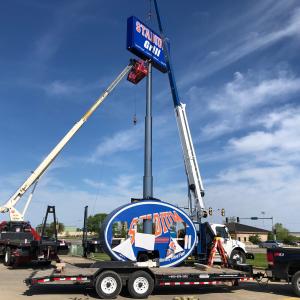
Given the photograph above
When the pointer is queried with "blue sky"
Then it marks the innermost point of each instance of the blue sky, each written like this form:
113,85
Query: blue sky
237,68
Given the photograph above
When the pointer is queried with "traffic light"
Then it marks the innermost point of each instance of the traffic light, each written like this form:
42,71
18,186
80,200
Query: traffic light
222,212
226,220
210,211
237,219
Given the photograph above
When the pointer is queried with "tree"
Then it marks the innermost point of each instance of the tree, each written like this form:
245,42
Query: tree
282,234
255,239
95,222
50,229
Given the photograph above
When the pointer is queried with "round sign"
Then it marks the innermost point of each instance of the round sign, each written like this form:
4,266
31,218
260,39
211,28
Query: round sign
149,227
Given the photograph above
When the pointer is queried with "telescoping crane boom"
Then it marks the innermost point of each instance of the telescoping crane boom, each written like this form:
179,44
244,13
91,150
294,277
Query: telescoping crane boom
9,206
196,189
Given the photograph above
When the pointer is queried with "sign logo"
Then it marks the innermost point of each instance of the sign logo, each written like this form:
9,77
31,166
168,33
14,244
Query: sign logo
145,43
173,235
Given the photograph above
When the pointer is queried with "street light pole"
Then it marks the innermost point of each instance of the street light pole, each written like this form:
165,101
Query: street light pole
261,218
273,230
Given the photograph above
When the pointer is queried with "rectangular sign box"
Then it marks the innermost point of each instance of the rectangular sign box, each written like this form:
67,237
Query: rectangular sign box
145,43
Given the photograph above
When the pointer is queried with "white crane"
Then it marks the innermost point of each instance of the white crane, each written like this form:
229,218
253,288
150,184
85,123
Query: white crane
9,206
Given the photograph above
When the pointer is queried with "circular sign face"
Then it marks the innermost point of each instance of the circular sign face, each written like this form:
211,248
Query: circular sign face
149,227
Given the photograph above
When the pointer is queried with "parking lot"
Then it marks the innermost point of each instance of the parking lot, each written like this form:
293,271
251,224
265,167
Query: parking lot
13,288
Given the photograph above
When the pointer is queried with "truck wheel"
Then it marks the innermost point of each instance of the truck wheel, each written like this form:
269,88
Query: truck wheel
108,285
140,285
296,283
238,256
8,260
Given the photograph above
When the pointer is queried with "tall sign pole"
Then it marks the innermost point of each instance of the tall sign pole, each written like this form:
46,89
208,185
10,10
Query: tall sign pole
148,178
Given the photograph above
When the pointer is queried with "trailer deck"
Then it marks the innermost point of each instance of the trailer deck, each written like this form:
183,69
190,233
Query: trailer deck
92,274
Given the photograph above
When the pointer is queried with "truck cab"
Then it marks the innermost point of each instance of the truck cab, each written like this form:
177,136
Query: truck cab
235,250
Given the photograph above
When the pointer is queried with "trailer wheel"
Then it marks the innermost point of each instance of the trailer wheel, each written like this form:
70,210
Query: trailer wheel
238,256
296,283
108,285
140,285
8,259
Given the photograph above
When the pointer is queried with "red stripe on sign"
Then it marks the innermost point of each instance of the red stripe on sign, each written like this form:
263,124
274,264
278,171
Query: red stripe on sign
161,240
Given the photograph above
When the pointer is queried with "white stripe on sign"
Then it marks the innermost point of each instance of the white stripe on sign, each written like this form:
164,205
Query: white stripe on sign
186,238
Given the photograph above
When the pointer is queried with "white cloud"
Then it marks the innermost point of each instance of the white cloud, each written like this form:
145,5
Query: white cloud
263,170
94,184
284,137
122,141
242,102
248,91
131,139
69,88
58,87
248,42
49,43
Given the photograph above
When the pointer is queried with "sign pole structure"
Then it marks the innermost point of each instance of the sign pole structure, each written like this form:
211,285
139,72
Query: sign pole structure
148,178
148,46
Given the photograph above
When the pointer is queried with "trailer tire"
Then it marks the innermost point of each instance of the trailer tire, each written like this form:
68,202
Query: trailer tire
238,256
296,283
108,285
8,259
140,285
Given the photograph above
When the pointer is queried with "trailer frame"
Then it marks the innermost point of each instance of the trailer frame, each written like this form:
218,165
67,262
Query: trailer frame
140,278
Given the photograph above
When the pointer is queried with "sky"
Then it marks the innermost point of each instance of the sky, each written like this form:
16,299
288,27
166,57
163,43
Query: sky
237,68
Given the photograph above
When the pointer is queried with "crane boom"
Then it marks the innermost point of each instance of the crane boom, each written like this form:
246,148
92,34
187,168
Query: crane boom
195,184
12,201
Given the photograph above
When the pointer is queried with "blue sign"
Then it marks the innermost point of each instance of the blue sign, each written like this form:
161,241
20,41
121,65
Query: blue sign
145,43
172,239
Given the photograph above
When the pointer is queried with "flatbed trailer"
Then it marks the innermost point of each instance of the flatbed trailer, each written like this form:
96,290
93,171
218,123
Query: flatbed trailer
108,278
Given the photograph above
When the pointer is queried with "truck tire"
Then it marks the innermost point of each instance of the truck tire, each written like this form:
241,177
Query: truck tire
238,256
8,259
108,285
296,283
140,285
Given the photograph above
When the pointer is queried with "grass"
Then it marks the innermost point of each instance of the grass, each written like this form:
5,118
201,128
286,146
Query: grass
100,256
260,260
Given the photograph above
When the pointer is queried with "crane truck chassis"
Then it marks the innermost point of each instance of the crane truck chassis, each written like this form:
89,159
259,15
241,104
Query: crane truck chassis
20,243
